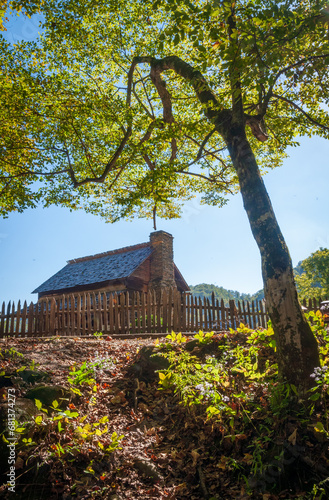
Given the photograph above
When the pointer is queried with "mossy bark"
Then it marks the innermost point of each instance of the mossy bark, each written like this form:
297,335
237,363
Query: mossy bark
296,345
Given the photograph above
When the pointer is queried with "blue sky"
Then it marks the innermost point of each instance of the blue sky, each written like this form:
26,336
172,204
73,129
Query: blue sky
211,245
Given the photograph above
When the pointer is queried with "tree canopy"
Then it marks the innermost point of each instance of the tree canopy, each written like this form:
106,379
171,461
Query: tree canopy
312,277
89,119
131,107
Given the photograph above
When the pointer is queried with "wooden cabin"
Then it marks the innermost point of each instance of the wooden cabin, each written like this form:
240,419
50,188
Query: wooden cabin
143,267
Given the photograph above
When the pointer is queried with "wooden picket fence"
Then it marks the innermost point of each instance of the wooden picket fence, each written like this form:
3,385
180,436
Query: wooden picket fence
130,313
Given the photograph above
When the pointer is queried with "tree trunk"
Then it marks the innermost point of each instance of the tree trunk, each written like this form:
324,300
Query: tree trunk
297,347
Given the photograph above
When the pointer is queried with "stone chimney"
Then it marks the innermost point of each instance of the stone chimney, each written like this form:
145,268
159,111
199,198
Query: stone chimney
162,261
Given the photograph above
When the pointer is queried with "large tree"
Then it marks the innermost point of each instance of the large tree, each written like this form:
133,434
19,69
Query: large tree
130,107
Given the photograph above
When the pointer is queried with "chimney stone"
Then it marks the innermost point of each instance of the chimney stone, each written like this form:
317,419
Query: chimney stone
162,261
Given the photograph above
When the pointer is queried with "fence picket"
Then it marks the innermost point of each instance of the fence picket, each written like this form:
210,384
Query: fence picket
149,312
122,312
223,324
111,319
18,319
143,312
30,324
164,311
2,319
12,319
24,313
131,313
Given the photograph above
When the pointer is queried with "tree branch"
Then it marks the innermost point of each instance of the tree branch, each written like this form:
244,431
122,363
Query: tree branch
298,63
204,142
308,116
186,71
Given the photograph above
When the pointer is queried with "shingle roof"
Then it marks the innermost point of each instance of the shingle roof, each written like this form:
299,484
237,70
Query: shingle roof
97,268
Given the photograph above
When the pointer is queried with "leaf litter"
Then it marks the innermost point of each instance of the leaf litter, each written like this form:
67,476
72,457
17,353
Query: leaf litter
117,436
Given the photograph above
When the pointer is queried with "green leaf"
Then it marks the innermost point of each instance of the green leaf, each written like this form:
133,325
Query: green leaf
315,396
38,404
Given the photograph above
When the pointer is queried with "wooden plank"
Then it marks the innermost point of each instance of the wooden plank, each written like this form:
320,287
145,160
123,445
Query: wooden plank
187,303
42,317
62,316
143,312
262,315
7,319
164,311
232,314
62,330
192,314
183,314
105,316
223,315
12,319
116,313
213,309
52,316
30,321
157,309
253,315
149,311
205,315
78,315
88,315
179,312
249,315
138,312
122,307
176,306
156,298
103,312
98,313
127,312
259,315
200,315
83,314
93,312
245,321
217,317
170,310
18,320
240,313
24,314
111,314
133,314
2,319
46,317
72,315
37,319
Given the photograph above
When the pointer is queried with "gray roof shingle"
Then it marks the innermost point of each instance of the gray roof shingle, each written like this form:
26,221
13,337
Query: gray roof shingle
106,267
